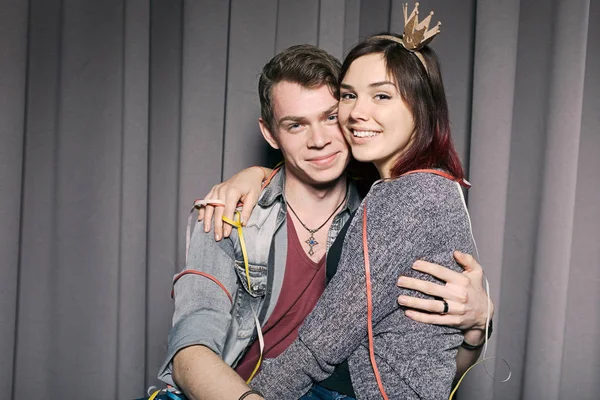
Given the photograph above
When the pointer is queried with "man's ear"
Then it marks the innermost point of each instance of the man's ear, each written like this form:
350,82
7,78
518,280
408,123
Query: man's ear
267,134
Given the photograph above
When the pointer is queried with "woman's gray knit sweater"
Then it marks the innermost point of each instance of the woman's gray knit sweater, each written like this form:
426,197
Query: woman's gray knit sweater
418,216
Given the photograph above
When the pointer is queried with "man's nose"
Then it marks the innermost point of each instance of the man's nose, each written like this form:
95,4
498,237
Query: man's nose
318,137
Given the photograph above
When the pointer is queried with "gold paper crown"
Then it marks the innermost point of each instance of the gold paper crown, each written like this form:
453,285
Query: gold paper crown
417,34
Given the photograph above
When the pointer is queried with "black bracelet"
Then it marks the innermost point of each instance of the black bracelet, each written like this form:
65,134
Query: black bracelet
249,392
480,345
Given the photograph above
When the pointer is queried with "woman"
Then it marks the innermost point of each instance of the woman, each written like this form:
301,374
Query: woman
393,113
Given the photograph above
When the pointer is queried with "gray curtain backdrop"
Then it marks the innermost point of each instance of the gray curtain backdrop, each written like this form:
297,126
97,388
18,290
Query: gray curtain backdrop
116,114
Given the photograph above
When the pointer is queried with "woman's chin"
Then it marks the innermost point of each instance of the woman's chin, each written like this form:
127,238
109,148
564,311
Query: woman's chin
363,156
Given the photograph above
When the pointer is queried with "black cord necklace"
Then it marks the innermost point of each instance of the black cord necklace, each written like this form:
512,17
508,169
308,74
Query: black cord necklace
312,242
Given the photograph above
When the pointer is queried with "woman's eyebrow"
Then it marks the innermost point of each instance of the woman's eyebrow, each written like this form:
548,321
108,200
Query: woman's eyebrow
382,83
374,85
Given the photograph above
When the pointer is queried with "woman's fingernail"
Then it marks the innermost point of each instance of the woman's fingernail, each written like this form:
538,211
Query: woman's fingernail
217,237
402,300
400,281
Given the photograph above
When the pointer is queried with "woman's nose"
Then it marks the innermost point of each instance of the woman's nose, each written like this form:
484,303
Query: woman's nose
359,111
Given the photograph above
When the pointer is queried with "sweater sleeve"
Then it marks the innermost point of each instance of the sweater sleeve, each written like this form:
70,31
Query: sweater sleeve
408,219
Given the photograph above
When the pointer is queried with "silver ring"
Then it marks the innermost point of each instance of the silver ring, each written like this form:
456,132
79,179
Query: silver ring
445,307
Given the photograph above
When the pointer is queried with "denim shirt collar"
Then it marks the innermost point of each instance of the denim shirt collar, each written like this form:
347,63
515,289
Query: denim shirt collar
274,192
353,197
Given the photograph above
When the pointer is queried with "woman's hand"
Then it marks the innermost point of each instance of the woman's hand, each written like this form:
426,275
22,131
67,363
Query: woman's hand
243,187
464,293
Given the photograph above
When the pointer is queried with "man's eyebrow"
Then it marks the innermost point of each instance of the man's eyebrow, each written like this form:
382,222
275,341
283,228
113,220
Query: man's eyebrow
290,118
329,111
293,118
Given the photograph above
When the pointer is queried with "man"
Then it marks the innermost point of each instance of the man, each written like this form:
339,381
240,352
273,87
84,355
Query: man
219,297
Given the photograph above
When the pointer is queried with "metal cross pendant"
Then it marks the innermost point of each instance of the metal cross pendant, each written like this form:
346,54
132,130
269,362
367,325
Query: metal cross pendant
312,242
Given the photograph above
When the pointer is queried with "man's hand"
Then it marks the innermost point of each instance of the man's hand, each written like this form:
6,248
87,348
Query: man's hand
244,186
467,303
464,292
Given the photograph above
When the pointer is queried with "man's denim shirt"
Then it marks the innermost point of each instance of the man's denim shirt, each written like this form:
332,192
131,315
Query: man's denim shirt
203,314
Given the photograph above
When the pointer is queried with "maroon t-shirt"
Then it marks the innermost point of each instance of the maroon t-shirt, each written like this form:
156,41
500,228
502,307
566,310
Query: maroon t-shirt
303,284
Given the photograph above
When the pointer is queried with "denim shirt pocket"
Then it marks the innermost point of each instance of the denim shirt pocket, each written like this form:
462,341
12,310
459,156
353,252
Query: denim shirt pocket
258,278
249,301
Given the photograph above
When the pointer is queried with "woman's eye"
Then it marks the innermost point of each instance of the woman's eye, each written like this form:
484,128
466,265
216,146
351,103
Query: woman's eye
383,96
348,96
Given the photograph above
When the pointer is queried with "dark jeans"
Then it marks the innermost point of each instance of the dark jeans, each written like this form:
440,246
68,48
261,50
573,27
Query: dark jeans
164,396
315,393
320,393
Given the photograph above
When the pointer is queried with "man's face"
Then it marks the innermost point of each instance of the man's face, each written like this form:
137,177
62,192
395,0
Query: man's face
306,130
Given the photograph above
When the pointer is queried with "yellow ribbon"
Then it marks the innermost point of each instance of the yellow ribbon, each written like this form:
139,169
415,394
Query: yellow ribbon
463,377
238,225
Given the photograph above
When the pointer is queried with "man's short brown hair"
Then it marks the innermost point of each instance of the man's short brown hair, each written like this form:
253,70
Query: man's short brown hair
304,64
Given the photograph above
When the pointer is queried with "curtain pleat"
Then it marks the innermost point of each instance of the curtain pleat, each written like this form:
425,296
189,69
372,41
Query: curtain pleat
494,72
581,354
133,204
13,83
551,269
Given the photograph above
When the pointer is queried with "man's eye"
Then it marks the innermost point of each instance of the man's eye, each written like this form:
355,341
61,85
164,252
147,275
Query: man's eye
291,127
332,117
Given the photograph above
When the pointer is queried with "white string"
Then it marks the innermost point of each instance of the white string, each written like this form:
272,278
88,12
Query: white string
489,301
261,340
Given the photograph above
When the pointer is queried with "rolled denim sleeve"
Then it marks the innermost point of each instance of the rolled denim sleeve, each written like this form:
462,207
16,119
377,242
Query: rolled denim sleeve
202,313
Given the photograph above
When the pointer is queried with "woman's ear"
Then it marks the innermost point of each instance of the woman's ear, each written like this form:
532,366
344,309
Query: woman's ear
267,134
